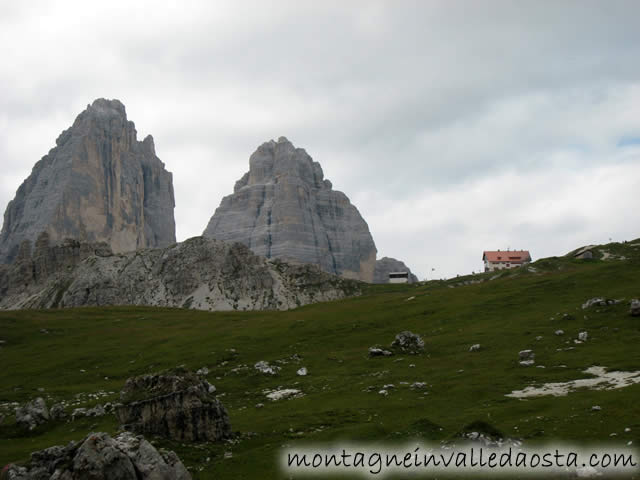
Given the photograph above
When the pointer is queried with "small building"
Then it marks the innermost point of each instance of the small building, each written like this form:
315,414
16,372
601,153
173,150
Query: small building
398,277
500,260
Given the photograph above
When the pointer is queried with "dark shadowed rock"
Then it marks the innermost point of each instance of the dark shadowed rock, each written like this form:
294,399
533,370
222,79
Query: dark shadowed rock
98,184
408,342
199,273
57,412
284,208
176,405
100,457
387,265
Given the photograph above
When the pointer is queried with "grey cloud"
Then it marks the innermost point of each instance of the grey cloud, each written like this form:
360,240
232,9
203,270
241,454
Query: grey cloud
398,100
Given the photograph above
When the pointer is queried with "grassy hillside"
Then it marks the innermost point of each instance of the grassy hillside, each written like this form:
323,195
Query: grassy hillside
70,353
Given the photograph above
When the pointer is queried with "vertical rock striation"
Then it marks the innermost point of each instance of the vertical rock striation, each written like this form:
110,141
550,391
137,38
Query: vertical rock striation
284,208
98,184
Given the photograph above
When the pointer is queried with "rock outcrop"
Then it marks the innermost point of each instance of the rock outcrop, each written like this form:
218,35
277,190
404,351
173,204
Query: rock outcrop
408,342
98,184
100,457
199,273
34,266
177,405
284,208
386,265
32,414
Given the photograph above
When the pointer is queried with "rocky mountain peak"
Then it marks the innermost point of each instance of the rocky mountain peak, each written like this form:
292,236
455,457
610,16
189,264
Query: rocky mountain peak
284,208
272,161
99,183
99,118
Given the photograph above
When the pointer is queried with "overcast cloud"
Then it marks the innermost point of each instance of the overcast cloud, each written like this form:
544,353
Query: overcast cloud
454,126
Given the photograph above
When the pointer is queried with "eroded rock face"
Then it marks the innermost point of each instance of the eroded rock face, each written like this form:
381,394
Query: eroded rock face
100,457
199,273
98,184
33,267
176,405
284,208
386,265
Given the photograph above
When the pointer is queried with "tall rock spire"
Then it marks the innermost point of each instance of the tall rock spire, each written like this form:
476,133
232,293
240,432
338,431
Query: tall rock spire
284,208
98,184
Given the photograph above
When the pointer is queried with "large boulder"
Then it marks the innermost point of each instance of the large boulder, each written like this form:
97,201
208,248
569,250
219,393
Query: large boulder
284,208
174,404
32,413
100,457
98,184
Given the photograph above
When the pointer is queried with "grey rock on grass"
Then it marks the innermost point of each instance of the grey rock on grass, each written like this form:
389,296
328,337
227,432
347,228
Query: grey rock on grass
174,404
32,414
265,368
57,412
379,352
527,358
100,457
408,342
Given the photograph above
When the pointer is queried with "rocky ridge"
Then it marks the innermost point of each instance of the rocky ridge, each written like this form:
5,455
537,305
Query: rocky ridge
284,208
199,273
98,184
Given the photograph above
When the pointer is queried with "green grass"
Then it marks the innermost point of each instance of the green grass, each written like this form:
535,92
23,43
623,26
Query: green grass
504,315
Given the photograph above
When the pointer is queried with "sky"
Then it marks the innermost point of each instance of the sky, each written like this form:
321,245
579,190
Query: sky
453,126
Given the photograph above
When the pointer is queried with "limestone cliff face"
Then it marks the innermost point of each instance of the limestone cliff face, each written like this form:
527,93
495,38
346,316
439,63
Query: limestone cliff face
98,184
284,208
386,265
200,273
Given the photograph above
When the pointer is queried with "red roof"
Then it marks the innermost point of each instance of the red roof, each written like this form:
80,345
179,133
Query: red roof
507,256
